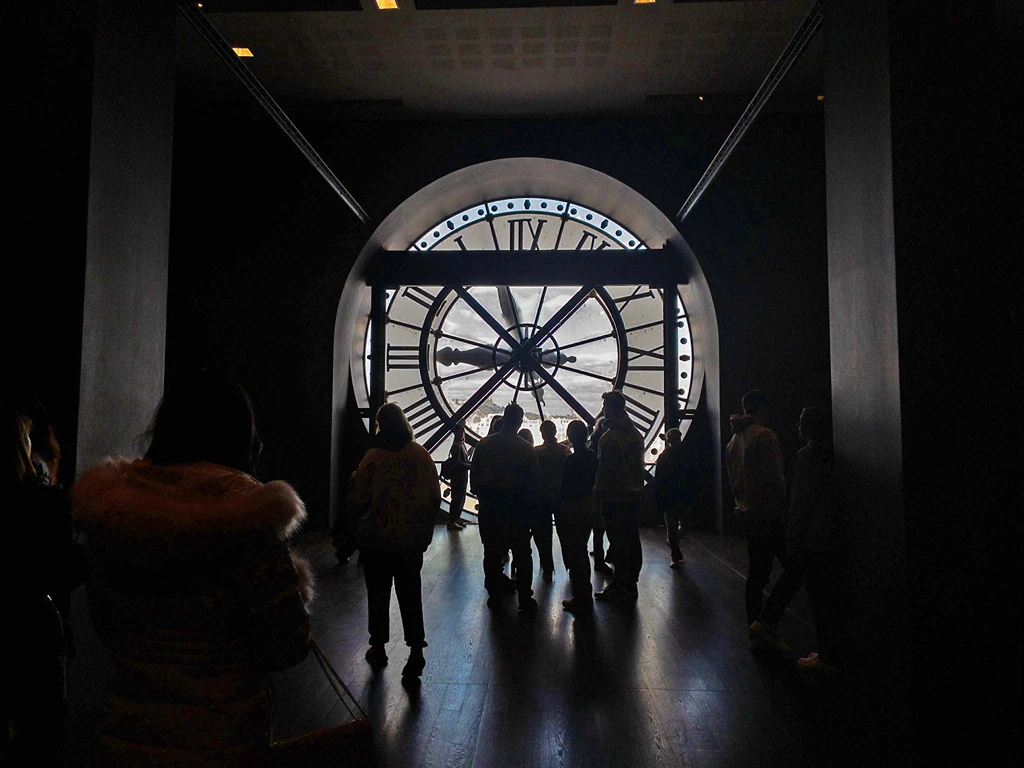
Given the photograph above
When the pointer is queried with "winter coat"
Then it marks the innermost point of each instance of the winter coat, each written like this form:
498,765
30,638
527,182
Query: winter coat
550,457
812,510
754,462
620,461
394,498
670,478
197,597
505,473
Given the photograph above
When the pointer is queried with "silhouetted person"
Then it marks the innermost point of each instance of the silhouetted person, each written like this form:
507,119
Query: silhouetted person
458,477
527,435
670,491
811,533
754,463
495,426
619,489
394,500
576,514
41,566
506,481
195,591
550,457
598,552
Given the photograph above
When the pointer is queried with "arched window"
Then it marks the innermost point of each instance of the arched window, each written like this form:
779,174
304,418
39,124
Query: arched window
530,281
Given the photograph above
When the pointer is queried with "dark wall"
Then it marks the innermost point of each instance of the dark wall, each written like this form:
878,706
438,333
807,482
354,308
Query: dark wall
261,248
47,65
925,395
954,126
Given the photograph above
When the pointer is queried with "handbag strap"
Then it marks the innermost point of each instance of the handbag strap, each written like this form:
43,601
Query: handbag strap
332,677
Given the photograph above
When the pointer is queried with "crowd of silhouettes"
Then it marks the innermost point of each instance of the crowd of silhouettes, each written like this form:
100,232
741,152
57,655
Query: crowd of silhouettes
193,586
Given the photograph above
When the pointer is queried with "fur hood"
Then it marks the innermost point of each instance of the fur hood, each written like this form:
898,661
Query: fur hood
182,502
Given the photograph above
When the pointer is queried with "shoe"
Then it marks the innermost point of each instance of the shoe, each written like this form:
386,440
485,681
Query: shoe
578,606
454,527
813,663
461,524
768,636
414,666
617,593
677,560
529,605
376,656
548,576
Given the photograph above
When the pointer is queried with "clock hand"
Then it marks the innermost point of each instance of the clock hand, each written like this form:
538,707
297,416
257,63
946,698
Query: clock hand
489,357
511,315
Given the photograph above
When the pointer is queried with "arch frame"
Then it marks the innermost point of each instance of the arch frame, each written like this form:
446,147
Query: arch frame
510,177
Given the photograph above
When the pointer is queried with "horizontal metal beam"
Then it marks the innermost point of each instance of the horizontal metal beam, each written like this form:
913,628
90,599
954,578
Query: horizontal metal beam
800,40
204,27
654,266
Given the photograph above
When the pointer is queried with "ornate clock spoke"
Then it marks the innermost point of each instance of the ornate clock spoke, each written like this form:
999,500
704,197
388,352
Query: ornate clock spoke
540,305
598,376
591,340
571,401
459,375
462,340
487,317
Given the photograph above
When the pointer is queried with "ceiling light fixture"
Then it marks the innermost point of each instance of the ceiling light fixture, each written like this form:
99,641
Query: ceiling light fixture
701,98
821,97
242,53
642,2
387,5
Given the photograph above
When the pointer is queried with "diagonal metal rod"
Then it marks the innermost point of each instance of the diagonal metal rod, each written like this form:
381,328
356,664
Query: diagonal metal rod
804,34
209,33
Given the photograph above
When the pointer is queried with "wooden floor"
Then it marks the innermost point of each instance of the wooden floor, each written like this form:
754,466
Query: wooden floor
668,681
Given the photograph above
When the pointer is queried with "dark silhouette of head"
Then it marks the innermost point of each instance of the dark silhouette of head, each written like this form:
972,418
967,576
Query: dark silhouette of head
816,425
527,435
512,418
496,425
577,433
17,448
548,431
458,432
673,437
204,417
393,430
614,402
755,403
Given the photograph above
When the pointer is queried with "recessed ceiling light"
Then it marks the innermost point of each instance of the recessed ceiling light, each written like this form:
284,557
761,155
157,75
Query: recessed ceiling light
821,97
387,5
701,98
242,53
642,2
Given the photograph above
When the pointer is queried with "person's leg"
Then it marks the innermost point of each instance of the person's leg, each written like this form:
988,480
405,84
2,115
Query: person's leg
632,548
493,536
598,550
408,590
577,561
458,499
759,568
821,577
672,528
377,574
542,535
522,552
789,582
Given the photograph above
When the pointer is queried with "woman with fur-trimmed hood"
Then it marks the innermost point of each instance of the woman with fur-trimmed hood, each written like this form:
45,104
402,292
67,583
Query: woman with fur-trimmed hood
194,589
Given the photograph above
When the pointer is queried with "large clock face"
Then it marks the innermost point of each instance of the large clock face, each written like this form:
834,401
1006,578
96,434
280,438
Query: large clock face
460,354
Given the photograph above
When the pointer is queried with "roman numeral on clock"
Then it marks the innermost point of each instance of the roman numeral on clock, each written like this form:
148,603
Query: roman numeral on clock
588,240
517,231
422,297
402,357
644,416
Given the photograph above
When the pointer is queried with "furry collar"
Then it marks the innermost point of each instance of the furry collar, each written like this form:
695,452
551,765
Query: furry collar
143,500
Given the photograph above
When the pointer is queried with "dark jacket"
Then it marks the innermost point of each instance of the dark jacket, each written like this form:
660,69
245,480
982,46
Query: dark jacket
579,470
754,461
197,597
620,462
394,498
505,472
550,457
812,509
670,487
